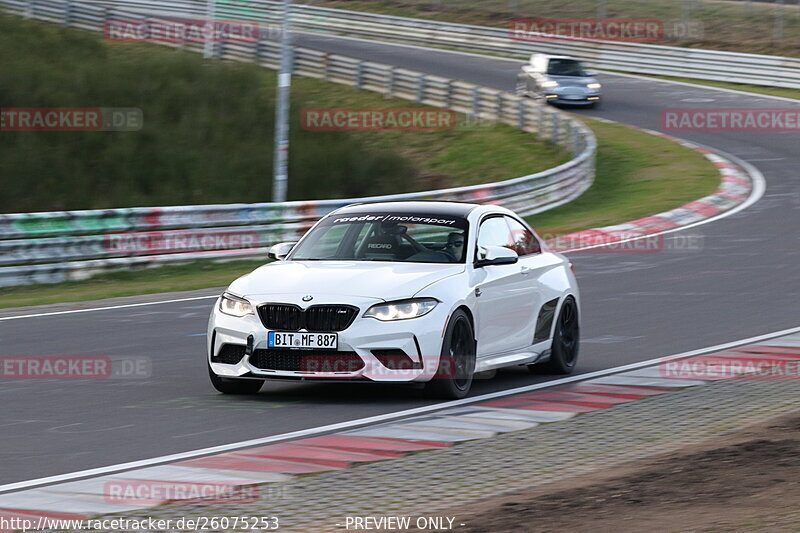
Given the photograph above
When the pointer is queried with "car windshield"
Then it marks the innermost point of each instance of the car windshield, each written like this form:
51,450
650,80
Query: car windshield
396,237
565,67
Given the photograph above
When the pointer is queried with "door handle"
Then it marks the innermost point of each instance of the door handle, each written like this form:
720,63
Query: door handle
478,292
525,271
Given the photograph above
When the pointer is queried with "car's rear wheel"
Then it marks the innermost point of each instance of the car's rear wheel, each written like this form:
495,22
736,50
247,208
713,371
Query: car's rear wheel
566,342
453,379
234,386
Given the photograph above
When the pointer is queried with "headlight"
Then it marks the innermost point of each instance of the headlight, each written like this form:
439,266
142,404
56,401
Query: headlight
549,84
401,310
593,86
231,305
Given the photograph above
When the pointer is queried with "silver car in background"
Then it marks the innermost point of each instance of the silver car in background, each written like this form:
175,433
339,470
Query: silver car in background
559,80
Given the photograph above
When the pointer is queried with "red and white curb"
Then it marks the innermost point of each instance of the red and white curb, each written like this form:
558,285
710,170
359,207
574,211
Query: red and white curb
737,186
277,463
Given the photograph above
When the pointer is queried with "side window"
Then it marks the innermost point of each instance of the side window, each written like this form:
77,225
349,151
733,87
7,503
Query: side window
525,242
494,232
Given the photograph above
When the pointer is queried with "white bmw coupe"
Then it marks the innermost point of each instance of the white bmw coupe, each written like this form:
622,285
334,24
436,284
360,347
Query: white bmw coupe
425,292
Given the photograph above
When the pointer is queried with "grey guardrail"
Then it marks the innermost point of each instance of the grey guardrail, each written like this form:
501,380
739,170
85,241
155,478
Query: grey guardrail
59,246
754,69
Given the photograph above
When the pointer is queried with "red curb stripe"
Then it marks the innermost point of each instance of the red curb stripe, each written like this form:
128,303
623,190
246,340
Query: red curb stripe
777,350
617,391
561,407
234,462
511,402
754,357
573,397
375,443
311,453
702,208
379,453
654,224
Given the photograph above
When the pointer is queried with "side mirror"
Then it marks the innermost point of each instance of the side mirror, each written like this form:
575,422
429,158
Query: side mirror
280,251
495,255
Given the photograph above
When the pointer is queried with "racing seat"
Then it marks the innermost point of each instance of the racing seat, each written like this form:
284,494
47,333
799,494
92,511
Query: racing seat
380,245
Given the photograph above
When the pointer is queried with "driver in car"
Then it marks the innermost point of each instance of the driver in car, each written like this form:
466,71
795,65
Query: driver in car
455,244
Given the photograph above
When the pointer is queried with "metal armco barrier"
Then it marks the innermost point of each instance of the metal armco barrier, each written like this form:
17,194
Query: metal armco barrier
60,246
695,63
754,69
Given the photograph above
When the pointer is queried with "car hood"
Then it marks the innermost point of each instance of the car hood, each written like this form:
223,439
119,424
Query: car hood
332,279
573,81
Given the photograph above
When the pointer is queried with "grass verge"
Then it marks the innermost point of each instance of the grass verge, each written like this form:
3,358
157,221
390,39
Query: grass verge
637,175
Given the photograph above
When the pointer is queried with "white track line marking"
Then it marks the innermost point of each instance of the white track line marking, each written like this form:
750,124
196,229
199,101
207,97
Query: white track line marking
107,308
113,469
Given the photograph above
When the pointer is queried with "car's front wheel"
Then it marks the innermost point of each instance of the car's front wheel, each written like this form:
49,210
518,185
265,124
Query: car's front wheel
234,386
457,362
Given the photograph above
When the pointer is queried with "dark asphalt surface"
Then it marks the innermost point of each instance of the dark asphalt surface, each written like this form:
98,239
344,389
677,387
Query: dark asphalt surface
744,282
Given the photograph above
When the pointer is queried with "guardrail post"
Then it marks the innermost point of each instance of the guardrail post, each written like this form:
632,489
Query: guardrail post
421,85
574,138
448,102
554,127
521,122
360,75
30,9
390,83
261,48
499,107
105,18
476,101
67,13
326,66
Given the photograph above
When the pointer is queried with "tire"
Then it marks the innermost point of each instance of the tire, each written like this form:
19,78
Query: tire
453,379
566,342
234,386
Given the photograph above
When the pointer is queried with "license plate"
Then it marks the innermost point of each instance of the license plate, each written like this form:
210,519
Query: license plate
305,341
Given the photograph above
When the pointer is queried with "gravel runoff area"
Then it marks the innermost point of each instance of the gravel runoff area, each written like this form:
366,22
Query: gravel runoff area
680,449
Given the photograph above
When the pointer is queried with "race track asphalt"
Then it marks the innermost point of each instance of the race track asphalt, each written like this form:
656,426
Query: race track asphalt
744,282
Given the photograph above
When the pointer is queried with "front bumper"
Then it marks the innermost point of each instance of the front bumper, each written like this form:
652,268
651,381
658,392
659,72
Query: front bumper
574,97
419,338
